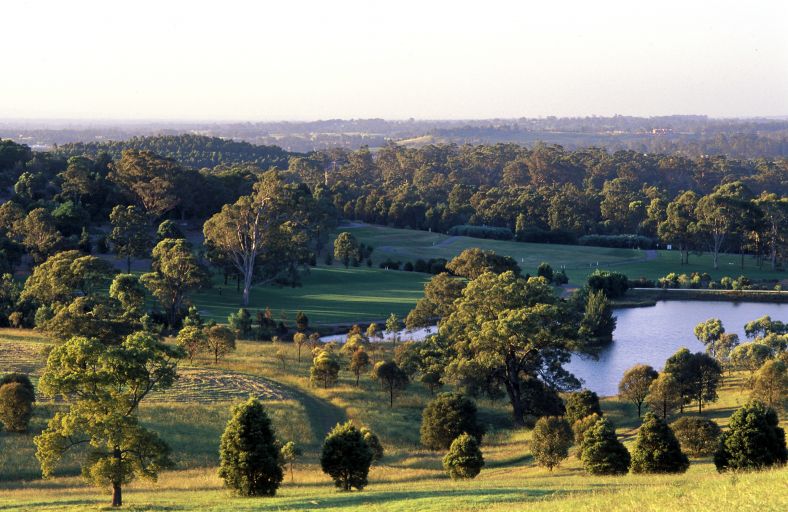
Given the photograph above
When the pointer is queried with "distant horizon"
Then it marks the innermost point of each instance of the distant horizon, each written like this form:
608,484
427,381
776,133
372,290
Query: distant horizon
132,120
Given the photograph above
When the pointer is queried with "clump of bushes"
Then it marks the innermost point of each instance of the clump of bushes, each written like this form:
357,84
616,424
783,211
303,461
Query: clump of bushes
753,440
487,232
699,437
581,404
601,451
464,459
17,397
656,448
618,241
445,418
552,437
346,457
614,284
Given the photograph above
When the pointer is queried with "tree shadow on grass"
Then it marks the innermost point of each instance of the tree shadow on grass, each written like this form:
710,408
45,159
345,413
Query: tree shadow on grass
359,499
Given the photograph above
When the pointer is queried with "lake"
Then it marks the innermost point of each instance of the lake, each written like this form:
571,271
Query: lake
649,335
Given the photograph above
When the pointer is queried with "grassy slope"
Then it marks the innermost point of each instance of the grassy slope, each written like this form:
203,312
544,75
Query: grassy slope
409,478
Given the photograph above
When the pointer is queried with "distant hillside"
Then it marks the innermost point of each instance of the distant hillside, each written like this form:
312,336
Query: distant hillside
194,151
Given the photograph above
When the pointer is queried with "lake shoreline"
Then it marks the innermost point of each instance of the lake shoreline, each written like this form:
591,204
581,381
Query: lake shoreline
647,297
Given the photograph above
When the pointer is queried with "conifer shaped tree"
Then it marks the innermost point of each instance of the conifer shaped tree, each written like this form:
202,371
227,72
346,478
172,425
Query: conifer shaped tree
656,449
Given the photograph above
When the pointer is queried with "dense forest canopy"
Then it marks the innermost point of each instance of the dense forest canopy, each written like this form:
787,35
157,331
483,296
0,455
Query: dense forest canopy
191,150
544,194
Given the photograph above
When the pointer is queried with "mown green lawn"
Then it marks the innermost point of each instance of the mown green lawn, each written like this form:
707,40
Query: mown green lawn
329,294
409,245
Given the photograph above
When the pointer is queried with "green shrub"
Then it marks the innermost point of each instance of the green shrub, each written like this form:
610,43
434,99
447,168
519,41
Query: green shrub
464,459
552,437
346,457
16,406
753,440
373,441
445,418
250,461
699,437
579,429
581,404
614,284
656,448
601,452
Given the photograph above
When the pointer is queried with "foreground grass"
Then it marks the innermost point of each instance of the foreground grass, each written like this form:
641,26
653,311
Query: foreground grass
409,478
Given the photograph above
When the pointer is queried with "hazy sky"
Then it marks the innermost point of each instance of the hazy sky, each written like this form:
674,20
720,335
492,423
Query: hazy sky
292,59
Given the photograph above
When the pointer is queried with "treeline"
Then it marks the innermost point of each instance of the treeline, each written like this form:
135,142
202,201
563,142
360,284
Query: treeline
196,151
544,194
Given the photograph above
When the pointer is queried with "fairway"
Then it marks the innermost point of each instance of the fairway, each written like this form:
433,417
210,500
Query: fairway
327,295
332,294
578,260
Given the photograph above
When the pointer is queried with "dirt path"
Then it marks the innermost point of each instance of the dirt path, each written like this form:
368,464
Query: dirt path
322,414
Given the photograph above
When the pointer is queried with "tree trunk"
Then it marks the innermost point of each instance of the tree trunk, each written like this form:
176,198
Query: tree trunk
512,385
128,264
639,405
117,493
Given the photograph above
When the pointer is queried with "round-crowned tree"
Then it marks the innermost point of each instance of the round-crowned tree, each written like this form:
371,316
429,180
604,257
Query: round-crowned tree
581,404
445,418
20,378
552,437
464,459
656,448
699,437
373,441
346,457
250,461
753,440
16,406
602,452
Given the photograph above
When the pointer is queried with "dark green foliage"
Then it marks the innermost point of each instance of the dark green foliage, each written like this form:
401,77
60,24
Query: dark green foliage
581,404
19,378
546,271
240,322
552,437
481,232
579,429
373,441
445,418
16,406
302,321
619,241
168,229
602,452
699,437
656,448
471,263
698,376
598,322
614,284
346,457
753,440
392,378
249,452
539,400
464,459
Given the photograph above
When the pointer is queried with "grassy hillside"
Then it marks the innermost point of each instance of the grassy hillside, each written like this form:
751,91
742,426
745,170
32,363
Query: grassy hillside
192,416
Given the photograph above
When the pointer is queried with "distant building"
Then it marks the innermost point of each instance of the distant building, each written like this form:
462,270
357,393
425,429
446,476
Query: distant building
661,131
